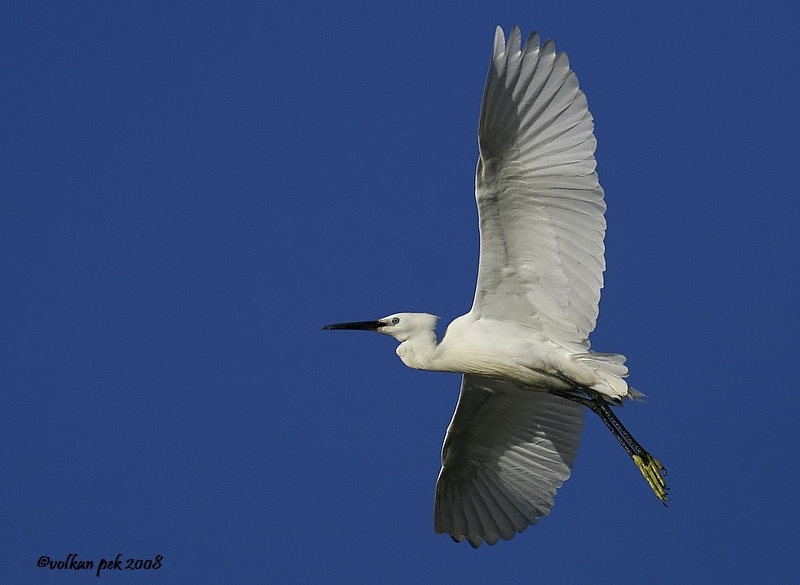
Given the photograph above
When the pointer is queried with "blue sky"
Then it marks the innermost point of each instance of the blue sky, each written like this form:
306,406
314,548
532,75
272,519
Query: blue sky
189,191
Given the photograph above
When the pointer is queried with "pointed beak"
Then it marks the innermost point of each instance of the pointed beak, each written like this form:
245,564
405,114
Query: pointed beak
357,325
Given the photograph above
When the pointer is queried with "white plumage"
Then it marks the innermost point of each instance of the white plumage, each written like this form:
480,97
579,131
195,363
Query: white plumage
524,347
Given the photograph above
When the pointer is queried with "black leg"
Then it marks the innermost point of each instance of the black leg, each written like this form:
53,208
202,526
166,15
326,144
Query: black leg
650,467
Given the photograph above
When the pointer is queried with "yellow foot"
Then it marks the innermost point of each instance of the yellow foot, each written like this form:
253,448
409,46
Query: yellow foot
654,473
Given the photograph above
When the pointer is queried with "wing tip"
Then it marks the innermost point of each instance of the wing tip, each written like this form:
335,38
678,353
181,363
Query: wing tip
501,47
499,44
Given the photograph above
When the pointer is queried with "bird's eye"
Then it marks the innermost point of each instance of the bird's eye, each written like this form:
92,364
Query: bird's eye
395,320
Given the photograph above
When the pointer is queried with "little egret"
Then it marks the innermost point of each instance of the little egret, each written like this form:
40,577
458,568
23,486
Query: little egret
523,348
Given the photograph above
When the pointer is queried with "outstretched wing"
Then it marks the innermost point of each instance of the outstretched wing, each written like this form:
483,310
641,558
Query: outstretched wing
505,454
539,202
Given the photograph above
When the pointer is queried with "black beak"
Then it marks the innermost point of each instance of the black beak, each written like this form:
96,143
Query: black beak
357,325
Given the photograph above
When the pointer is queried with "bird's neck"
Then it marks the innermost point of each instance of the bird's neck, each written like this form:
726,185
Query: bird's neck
419,352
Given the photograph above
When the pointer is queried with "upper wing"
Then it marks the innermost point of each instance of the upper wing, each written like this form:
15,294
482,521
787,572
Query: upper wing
505,454
539,202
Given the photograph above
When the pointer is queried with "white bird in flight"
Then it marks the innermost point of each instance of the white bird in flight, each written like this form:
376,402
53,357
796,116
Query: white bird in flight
523,348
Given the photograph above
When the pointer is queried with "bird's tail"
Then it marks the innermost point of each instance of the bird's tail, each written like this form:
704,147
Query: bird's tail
612,371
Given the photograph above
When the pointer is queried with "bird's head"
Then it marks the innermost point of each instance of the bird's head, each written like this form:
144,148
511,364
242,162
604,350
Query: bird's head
401,326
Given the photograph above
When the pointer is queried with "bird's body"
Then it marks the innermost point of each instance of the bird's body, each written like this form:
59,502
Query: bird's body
523,348
508,351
